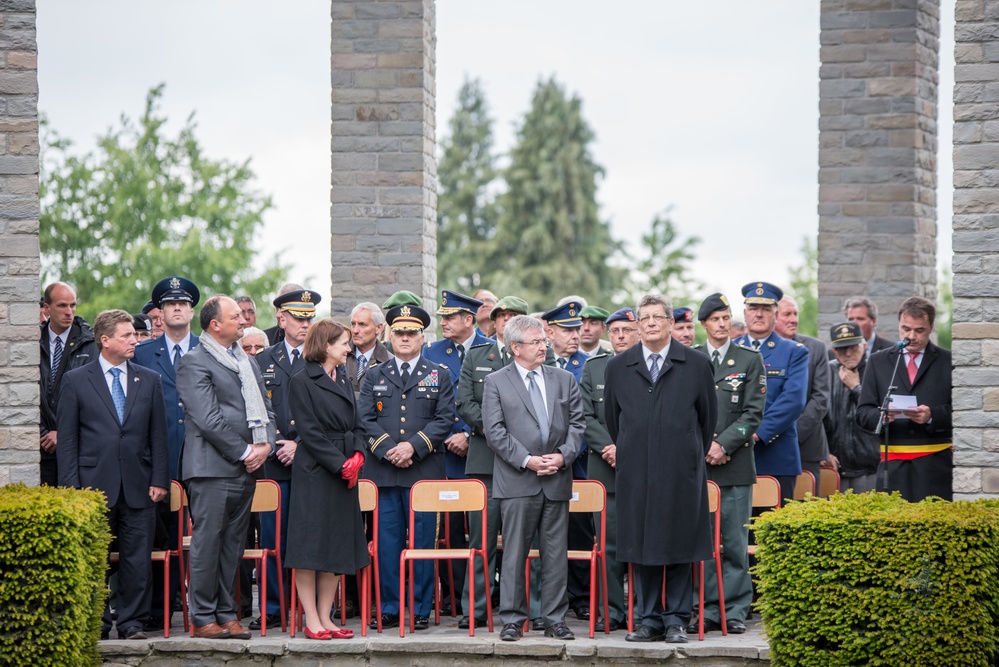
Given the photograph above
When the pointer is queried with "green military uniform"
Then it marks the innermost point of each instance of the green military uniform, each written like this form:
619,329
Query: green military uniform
740,383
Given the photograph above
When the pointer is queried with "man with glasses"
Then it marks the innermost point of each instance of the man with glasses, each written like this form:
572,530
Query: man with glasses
661,411
623,334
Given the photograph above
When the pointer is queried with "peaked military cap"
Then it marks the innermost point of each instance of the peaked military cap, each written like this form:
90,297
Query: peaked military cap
594,313
622,315
565,316
512,303
407,318
762,294
711,303
403,298
175,288
683,315
300,304
845,334
452,302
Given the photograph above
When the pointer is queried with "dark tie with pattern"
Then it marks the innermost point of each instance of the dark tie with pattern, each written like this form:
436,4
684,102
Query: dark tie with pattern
405,373
295,356
56,360
654,368
118,394
362,363
539,404
562,361
461,353
176,355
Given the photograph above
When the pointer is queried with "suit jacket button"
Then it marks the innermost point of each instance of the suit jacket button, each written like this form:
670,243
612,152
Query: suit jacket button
402,431
292,422
403,408
404,395
403,419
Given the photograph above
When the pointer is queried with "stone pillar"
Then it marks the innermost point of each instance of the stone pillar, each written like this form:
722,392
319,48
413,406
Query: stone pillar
19,265
976,248
384,189
877,155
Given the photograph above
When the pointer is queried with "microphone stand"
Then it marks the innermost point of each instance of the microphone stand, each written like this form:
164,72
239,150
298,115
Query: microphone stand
881,484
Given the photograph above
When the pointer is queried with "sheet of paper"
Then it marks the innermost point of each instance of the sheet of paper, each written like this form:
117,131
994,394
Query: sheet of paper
902,402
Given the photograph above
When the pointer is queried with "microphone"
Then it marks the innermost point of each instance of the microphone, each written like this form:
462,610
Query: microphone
902,344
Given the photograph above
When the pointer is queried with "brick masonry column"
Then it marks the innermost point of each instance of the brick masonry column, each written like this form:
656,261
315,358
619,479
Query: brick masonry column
976,248
19,264
877,155
384,188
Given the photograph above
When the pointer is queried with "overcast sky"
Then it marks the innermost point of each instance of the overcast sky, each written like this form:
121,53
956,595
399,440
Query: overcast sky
711,108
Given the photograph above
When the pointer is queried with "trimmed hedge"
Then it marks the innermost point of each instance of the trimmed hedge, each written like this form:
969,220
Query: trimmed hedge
53,558
872,579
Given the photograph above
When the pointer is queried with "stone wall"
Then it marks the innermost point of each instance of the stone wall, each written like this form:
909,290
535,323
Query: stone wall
877,155
19,264
384,188
976,248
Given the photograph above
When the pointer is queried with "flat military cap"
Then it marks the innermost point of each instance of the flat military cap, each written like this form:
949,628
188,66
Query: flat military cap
149,306
512,303
300,303
623,315
565,316
452,302
175,288
761,294
407,318
402,298
845,334
711,303
594,313
141,322
683,315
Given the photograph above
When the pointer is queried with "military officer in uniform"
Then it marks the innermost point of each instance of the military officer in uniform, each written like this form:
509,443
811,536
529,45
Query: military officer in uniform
624,333
776,440
740,384
407,410
594,326
278,364
683,330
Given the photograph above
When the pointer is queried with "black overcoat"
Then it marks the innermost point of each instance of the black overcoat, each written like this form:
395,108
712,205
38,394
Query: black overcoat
662,432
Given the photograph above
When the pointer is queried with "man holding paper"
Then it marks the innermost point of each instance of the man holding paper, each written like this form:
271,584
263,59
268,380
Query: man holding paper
918,432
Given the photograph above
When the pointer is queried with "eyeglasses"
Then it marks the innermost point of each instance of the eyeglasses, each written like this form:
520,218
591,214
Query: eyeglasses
658,319
536,343
622,331
252,349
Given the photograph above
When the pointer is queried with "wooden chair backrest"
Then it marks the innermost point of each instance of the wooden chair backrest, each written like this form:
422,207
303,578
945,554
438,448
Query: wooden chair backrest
766,491
266,497
804,484
176,496
367,492
828,482
452,495
588,496
714,496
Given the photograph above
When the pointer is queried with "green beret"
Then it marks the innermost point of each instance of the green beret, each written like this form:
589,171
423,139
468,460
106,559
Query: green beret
511,303
402,298
594,313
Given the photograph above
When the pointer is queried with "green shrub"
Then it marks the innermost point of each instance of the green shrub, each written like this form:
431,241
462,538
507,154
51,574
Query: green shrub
53,558
870,579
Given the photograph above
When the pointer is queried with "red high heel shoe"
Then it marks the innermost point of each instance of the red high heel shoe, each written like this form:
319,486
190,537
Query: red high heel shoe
322,634
342,633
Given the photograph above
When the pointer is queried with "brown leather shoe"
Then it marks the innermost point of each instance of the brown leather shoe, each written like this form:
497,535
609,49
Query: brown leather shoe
211,631
235,630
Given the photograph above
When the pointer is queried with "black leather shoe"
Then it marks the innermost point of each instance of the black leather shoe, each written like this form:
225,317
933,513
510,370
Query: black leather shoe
388,621
479,623
614,625
559,631
105,634
511,632
537,624
709,626
676,635
644,633
132,632
420,622
272,620
153,624
735,627
582,613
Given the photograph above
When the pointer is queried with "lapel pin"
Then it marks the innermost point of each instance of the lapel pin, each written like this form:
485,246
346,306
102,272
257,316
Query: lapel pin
731,362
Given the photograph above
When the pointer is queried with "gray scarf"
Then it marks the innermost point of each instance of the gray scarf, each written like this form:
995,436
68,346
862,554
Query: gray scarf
235,359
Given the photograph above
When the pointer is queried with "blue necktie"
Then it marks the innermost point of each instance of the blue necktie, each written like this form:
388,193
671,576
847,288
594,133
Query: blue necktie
362,363
56,360
176,355
654,368
118,395
539,405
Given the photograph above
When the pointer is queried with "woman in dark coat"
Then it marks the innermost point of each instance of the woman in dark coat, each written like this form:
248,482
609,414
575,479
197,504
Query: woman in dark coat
325,531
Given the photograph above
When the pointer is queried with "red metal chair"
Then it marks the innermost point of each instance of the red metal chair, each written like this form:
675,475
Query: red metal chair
714,507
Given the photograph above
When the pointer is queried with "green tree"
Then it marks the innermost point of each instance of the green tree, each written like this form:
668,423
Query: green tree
550,240
945,308
664,264
804,283
143,206
466,214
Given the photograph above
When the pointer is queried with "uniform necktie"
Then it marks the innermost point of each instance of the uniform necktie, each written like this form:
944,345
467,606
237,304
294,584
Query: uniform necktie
715,358
56,360
505,356
756,345
654,368
118,394
295,356
539,404
912,368
176,355
461,353
362,363
405,373
562,361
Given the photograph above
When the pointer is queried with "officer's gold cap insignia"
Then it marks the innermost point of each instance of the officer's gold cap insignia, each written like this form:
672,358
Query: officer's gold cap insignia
405,312
759,291
306,297
723,299
175,283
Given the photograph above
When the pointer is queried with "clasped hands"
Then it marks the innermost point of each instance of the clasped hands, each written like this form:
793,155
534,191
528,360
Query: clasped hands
259,452
351,470
549,464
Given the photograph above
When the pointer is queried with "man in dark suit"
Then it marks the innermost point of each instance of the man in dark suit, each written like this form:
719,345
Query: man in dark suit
661,412
532,416
740,379
776,440
623,333
66,342
278,364
407,410
864,312
175,298
919,440
112,437
812,441
229,433
366,325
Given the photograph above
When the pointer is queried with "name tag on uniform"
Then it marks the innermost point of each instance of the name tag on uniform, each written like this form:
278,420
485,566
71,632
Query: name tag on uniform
380,387
482,368
449,495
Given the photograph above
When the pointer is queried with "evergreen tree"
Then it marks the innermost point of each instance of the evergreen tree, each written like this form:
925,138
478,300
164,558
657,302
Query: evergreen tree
465,213
550,240
665,264
805,288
